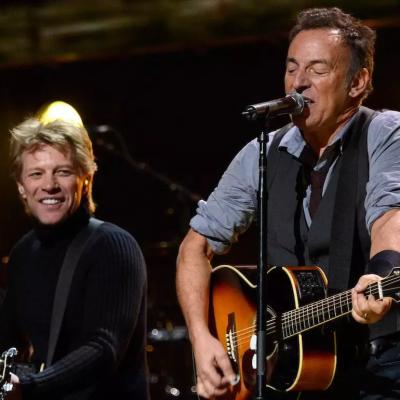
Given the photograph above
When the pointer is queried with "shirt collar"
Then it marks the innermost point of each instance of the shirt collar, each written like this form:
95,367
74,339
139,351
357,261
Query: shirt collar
294,143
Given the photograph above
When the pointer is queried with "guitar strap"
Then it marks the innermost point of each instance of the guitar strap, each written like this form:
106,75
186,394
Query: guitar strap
70,262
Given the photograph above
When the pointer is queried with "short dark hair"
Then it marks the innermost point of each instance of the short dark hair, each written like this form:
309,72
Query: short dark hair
359,37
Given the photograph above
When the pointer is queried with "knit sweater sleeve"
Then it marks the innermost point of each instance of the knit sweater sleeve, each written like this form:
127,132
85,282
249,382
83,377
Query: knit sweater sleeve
114,288
10,335
9,332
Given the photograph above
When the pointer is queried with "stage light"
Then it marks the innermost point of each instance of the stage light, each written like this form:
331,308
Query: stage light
59,110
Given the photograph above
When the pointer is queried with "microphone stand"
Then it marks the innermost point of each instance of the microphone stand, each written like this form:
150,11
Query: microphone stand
99,134
261,113
262,199
261,323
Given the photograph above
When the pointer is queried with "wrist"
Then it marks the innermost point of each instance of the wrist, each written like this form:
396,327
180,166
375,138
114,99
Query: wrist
383,262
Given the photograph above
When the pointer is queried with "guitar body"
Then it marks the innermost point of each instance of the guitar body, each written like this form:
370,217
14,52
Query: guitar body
304,361
232,307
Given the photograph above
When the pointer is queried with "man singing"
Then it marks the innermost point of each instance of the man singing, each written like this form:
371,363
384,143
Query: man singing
333,177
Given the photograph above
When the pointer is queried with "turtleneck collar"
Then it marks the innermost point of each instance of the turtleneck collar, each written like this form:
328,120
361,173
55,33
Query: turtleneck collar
49,234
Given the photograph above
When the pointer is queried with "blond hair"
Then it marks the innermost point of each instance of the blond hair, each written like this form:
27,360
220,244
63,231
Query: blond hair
32,133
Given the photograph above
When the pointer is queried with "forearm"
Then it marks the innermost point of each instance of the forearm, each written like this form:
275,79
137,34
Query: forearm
385,232
384,256
80,368
192,282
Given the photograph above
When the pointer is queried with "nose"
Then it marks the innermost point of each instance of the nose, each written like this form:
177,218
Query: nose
301,81
50,184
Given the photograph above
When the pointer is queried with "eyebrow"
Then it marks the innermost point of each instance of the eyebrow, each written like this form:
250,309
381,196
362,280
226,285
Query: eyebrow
312,62
70,166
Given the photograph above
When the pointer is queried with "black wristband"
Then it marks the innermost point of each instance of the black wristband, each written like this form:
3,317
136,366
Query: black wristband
383,262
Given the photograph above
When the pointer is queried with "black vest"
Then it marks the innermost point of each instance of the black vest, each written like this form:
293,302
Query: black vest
337,239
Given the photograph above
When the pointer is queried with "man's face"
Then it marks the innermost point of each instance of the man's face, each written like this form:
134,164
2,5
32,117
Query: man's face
50,184
317,65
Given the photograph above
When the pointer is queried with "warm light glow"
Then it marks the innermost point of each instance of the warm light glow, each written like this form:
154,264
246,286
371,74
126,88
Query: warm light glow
59,110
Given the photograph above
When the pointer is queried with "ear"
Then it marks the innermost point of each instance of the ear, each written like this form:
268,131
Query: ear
359,83
21,190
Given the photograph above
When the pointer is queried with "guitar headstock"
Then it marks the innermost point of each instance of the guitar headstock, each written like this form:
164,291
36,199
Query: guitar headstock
6,361
390,285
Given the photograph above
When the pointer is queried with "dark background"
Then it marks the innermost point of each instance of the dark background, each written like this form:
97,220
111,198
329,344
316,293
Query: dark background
178,109
178,112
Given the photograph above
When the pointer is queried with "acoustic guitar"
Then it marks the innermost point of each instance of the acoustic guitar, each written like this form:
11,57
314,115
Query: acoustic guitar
299,357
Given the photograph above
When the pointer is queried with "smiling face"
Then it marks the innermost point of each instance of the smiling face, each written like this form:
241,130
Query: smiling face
317,67
50,184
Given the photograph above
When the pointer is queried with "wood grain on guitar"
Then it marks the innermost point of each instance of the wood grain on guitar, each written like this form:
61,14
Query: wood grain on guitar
299,357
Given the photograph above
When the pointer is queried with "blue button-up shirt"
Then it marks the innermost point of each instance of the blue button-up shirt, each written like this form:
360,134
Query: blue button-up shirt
231,207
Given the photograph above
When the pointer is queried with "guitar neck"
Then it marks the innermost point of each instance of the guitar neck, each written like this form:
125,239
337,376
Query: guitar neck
320,312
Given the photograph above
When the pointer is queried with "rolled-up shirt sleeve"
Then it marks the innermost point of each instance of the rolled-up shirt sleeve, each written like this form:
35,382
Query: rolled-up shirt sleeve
383,188
231,207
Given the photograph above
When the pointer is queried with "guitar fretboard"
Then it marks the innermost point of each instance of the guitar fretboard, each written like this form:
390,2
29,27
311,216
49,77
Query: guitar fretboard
309,316
317,313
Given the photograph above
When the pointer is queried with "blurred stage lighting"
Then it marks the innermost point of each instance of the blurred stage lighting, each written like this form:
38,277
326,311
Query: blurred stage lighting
59,110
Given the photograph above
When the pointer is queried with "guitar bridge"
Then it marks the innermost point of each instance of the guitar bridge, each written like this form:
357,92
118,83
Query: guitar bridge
231,338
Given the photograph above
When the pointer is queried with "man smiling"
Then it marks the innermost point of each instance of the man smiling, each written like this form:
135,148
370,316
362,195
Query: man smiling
99,351
50,184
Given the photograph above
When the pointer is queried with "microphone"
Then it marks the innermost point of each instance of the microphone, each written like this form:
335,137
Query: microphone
105,136
293,104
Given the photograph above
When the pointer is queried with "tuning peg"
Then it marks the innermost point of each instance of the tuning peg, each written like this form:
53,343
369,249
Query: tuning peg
7,387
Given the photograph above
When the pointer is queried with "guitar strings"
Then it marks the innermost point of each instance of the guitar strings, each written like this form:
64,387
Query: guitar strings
310,318
332,300
250,330
246,334
296,317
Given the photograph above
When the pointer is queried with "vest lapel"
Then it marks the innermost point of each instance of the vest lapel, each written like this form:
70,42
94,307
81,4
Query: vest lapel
337,236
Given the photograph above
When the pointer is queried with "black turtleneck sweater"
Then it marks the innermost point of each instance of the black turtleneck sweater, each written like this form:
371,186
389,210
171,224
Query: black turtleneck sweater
100,352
